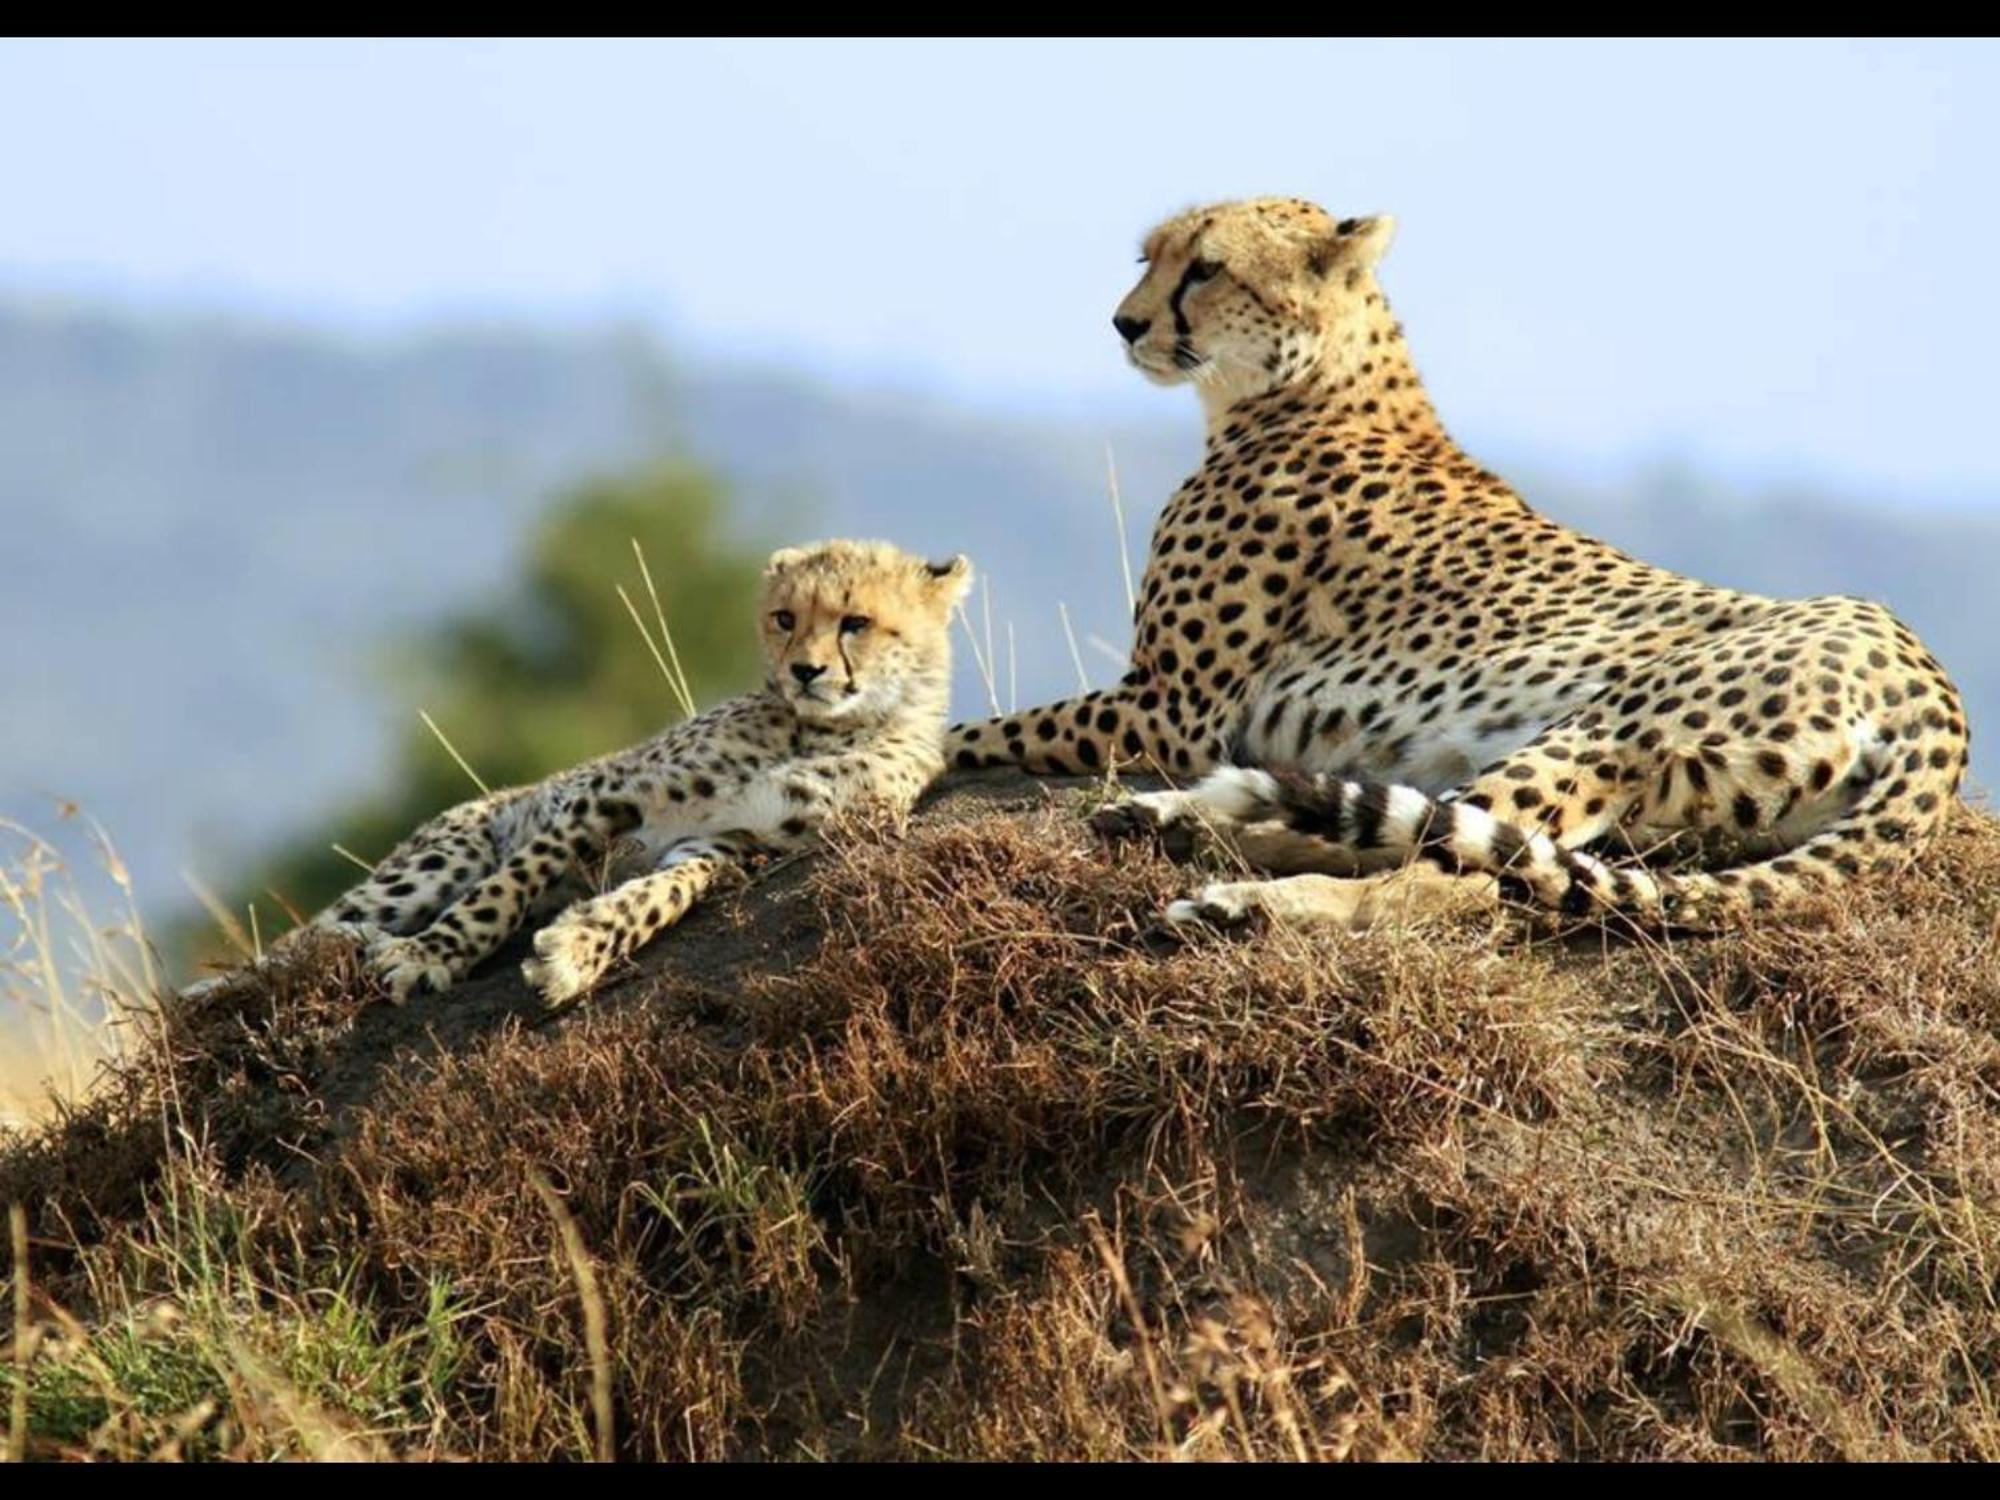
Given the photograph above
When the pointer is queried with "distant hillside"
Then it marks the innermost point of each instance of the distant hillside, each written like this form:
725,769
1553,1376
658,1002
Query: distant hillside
212,528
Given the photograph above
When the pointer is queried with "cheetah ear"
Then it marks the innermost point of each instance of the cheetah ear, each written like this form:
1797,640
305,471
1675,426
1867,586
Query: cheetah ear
783,560
1354,245
950,580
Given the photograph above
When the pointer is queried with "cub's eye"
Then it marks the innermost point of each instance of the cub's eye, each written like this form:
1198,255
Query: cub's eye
784,619
1204,270
854,624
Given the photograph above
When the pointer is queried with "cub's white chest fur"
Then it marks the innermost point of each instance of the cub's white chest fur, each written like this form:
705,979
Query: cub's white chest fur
756,804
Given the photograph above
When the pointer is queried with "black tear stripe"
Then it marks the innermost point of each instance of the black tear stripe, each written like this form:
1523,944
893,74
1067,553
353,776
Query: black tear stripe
1182,328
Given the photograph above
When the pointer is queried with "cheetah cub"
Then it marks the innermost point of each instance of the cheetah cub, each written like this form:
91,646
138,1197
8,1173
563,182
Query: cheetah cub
857,655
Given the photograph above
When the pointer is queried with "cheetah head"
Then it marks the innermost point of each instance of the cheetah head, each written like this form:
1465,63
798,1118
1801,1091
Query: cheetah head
858,631
1241,298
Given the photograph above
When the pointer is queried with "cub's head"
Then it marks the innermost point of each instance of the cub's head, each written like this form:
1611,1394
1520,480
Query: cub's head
1242,296
856,631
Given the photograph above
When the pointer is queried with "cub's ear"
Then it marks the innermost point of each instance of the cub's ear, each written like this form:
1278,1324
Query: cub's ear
950,580
784,560
1354,245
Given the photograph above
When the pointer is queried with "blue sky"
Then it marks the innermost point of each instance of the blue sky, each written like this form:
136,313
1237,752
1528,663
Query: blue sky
1771,257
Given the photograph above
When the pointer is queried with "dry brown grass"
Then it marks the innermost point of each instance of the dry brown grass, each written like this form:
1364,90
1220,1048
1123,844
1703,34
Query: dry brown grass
935,1149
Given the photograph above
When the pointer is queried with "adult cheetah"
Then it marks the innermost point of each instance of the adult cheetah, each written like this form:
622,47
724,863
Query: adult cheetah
1397,665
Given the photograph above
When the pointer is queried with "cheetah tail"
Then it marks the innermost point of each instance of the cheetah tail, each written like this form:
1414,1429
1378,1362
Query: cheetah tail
1884,827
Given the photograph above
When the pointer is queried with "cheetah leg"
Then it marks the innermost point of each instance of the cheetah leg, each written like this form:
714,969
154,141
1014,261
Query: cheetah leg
1528,819
1222,802
421,876
408,887
576,950
485,916
1111,728
1404,898
1208,817
1292,824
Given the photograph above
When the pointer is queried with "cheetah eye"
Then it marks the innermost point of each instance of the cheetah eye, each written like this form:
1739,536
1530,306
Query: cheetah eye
784,619
854,624
1204,270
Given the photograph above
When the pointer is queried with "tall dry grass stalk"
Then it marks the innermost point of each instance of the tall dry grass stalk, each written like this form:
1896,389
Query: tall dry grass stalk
669,659
985,661
452,750
1118,520
24,1334
595,1324
79,986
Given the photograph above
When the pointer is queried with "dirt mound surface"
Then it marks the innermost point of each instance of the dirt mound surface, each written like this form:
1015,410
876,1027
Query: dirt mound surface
934,1145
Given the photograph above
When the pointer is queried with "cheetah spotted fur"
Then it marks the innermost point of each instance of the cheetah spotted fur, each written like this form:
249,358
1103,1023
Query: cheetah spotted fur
851,716
1382,660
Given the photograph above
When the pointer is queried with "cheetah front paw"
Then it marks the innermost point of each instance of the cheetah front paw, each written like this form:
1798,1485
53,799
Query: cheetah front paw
569,960
1229,904
1129,819
407,967
1166,818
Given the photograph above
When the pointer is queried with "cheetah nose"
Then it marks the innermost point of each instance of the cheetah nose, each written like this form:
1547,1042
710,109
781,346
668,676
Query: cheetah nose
1131,329
806,672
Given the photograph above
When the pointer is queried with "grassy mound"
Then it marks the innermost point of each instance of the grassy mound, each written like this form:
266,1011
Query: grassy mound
934,1147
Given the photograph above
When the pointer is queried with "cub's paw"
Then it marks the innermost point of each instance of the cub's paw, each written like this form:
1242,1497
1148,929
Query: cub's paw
407,967
569,959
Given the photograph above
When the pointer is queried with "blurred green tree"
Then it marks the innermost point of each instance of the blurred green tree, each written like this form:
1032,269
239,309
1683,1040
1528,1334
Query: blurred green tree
548,674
